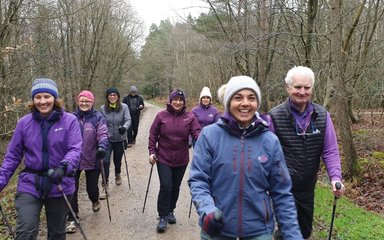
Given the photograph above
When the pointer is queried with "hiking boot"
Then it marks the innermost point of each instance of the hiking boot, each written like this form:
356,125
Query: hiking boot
118,179
162,225
129,145
134,142
96,206
171,218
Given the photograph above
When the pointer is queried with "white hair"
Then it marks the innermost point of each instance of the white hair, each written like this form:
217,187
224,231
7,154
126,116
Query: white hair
301,71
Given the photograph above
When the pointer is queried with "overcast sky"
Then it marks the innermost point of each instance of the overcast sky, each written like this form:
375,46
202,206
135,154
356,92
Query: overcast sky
153,11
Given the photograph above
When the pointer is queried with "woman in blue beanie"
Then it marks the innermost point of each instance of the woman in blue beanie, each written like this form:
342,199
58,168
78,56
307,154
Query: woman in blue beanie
47,141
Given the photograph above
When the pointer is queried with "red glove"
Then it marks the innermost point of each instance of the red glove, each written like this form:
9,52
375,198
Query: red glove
213,222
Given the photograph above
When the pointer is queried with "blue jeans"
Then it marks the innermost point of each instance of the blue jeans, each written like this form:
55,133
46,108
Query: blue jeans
28,211
205,236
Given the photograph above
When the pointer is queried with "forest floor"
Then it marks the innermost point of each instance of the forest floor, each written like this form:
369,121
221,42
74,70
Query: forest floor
367,189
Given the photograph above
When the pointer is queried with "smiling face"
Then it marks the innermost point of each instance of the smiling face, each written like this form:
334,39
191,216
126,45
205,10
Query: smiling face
84,104
44,103
206,100
243,106
113,97
300,91
177,103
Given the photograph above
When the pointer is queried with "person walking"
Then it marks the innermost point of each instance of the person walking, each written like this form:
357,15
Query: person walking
238,176
118,121
135,104
95,143
307,134
205,112
168,148
47,141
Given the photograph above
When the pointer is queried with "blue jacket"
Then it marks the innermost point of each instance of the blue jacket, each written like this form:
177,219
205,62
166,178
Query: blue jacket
243,173
95,134
63,143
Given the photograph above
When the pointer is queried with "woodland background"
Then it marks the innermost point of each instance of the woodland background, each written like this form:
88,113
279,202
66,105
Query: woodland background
96,44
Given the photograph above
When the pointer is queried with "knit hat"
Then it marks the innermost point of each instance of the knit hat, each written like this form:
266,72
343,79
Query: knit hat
87,94
175,93
133,89
44,85
112,90
205,93
235,84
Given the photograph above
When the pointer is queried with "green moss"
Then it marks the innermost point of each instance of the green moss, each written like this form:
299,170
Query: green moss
378,155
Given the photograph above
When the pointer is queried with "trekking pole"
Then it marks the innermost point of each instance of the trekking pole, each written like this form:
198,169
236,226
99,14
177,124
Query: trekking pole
338,187
7,223
125,160
104,180
149,181
70,207
190,209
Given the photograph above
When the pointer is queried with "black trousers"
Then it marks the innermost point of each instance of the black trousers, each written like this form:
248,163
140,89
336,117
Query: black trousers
133,129
118,150
305,202
170,181
92,188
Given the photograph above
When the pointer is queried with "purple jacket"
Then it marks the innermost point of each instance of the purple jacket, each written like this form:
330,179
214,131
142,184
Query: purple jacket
95,134
63,145
206,115
170,133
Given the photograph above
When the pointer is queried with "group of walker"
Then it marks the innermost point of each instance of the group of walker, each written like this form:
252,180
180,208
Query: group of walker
248,170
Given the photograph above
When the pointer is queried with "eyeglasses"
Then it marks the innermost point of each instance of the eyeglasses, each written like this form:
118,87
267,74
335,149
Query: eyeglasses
301,132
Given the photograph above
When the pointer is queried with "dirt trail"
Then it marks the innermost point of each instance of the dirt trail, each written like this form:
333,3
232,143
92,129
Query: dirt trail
128,221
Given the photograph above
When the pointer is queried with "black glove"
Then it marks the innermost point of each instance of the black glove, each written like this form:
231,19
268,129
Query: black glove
56,175
212,223
100,153
122,130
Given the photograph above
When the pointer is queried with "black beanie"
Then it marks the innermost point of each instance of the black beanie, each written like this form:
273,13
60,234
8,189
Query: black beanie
112,90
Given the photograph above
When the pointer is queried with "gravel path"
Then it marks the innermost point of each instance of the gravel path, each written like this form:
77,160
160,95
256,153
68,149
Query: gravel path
128,221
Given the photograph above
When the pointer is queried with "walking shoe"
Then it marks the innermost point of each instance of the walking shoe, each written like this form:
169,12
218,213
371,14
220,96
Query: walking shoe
103,194
134,142
129,145
71,227
162,225
171,218
96,206
118,179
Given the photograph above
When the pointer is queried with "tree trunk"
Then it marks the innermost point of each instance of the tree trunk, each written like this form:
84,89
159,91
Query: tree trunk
340,102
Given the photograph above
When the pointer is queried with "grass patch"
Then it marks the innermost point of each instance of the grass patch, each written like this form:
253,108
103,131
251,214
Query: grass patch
351,222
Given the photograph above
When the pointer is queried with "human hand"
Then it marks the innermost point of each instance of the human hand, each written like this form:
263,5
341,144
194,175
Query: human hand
56,175
338,190
152,159
213,222
122,130
100,153
140,107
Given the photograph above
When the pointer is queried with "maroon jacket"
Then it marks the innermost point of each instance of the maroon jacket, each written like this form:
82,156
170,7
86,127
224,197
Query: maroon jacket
169,135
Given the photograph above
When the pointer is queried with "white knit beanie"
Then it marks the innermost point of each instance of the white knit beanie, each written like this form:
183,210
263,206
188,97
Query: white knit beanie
205,93
235,84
